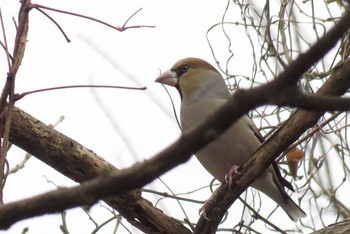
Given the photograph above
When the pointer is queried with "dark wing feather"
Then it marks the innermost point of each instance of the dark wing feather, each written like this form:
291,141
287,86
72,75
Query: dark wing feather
260,137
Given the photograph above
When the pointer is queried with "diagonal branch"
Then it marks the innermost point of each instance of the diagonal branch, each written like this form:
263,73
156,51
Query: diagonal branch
315,102
49,150
79,164
290,131
81,169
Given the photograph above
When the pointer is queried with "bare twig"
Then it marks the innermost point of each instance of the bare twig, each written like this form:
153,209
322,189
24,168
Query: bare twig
8,90
21,95
123,28
5,40
54,21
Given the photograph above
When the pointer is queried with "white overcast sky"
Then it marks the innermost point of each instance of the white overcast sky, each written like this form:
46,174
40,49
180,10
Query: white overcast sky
180,31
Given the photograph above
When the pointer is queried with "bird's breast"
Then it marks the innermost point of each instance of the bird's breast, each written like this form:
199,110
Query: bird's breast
233,147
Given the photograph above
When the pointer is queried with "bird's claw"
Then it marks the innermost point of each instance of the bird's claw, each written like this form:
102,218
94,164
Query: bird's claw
202,210
230,175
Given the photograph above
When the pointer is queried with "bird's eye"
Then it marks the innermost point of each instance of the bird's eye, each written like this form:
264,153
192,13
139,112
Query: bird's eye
182,69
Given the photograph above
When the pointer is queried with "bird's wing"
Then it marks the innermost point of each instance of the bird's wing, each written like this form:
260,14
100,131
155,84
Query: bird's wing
278,179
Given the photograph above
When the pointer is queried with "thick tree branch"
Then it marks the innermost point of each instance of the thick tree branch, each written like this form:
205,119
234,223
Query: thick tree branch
315,102
79,164
290,131
179,152
85,164
340,227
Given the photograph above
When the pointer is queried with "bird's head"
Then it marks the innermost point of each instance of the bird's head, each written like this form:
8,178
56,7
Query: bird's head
193,78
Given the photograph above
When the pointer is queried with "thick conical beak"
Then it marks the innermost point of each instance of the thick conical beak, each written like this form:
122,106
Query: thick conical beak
168,77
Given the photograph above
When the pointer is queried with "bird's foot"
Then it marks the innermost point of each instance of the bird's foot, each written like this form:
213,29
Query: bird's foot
231,174
202,210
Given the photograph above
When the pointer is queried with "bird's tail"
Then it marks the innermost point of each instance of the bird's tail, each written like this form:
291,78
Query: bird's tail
292,209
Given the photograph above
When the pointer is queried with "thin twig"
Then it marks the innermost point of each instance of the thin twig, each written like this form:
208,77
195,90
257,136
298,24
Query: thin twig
19,96
123,28
5,40
58,26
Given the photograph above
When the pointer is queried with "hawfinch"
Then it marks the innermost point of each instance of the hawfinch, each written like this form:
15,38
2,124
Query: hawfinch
203,90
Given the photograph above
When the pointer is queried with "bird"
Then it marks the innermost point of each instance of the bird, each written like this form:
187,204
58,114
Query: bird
203,90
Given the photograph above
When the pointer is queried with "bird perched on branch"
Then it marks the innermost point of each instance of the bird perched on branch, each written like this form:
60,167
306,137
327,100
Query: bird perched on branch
203,90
